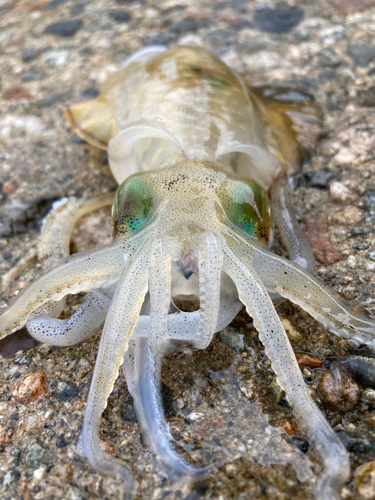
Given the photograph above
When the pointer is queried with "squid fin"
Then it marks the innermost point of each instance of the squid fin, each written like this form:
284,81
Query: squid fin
92,120
293,123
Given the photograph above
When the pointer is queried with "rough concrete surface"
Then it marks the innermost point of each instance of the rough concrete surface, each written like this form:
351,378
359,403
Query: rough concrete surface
60,51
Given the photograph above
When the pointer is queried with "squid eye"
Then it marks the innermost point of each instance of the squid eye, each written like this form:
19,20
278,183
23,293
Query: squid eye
247,206
132,208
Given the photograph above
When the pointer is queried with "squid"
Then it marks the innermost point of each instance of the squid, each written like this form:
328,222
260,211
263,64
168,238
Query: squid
205,165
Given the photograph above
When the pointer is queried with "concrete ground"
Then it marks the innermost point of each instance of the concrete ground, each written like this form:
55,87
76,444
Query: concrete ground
221,403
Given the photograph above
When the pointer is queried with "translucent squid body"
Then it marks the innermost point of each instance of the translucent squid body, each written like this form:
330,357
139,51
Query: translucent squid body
196,152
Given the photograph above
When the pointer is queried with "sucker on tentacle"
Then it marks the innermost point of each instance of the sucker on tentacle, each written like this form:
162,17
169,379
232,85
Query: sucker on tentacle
203,159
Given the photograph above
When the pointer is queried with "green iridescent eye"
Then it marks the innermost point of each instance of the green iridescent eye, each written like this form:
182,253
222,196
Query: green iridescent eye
132,208
247,206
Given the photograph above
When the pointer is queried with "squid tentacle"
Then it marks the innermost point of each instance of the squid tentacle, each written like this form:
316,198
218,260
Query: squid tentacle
294,240
303,289
210,258
77,273
52,249
147,355
88,319
123,312
272,335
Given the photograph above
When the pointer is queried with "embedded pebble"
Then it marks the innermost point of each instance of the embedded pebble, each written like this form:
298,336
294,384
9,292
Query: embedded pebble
369,418
30,54
120,16
338,389
361,53
72,492
36,454
324,251
56,57
64,28
338,193
30,388
368,395
291,331
363,369
278,19
319,179
365,481
17,93
307,361
232,338
348,216
65,391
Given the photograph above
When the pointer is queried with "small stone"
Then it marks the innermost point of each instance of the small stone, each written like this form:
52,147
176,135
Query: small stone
319,179
278,19
64,28
17,93
30,388
66,391
369,418
294,334
61,441
365,481
361,53
368,396
73,493
324,251
30,54
127,411
36,454
367,97
278,392
360,245
56,57
248,388
8,188
189,25
338,389
11,478
350,215
243,368
159,38
289,426
307,361
120,16
23,360
5,434
358,231
90,93
63,471
84,366
108,447
338,193
351,6
232,338
33,74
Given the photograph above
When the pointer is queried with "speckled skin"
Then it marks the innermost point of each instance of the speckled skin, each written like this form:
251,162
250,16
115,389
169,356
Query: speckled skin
188,128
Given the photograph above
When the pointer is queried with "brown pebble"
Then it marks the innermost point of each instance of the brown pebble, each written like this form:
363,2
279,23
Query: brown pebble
352,6
30,388
8,188
108,447
78,404
369,418
17,93
289,426
324,251
365,481
5,434
307,361
338,390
